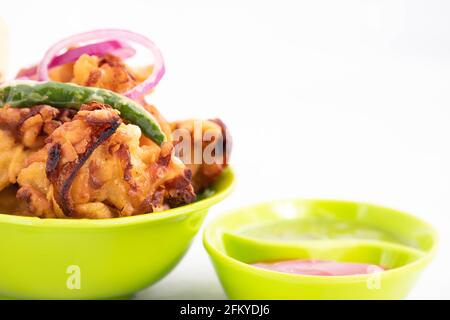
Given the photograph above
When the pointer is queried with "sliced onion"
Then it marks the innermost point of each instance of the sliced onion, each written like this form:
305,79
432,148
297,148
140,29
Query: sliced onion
117,48
27,73
110,34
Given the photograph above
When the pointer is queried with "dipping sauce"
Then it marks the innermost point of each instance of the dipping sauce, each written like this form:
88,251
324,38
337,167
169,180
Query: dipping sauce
319,229
320,267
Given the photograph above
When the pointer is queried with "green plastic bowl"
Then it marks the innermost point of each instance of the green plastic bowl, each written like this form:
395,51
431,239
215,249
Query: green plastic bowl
97,259
323,230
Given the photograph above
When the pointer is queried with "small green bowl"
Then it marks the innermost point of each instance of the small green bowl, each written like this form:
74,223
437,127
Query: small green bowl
97,259
323,230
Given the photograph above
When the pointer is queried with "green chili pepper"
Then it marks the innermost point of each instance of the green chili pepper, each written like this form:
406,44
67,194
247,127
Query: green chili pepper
25,94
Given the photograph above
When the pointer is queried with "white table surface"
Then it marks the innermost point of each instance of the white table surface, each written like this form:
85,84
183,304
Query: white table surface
325,99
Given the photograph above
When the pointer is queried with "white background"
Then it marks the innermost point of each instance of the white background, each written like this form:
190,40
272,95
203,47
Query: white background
325,99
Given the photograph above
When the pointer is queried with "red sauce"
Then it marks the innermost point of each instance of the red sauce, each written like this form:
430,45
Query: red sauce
320,267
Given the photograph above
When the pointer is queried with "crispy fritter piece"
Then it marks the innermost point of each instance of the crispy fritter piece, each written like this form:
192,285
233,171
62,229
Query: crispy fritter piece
22,131
30,126
108,72
210,145
12,159
94,124
95,167
111,73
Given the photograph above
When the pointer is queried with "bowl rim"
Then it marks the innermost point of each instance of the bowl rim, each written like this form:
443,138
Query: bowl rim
225,186
213,251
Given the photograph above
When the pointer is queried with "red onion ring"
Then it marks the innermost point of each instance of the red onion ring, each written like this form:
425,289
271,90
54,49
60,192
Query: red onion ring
117,48
26,73
110,34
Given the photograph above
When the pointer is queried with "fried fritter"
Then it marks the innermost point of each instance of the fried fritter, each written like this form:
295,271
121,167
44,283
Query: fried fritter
208,149
94,167
12,159
108,72
21,132
90,164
